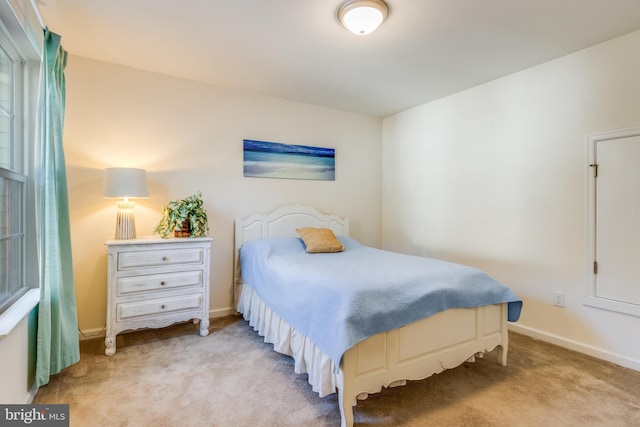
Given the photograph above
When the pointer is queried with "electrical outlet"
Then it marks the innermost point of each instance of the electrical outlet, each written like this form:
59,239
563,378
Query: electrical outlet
558,299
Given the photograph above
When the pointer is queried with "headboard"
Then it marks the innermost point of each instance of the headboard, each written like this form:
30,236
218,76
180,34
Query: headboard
281,223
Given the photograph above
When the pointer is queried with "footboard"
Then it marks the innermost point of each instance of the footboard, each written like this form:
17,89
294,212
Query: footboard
419,350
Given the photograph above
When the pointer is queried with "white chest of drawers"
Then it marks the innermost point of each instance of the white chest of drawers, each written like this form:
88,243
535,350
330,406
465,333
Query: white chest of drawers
154,282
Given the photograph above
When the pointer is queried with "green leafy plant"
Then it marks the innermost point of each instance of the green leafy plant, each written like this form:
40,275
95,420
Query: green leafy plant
175,213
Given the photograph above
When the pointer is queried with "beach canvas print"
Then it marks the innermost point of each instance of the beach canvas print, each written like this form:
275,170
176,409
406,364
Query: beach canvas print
275,160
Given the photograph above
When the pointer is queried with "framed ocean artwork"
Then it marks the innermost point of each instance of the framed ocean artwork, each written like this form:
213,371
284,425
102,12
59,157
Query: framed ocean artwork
275,160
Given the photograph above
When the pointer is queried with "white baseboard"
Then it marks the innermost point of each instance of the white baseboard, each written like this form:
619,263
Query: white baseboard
31,394
515,327
88,334
576,346
221,312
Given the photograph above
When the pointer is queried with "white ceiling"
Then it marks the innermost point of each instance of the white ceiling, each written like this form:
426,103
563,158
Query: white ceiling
297,49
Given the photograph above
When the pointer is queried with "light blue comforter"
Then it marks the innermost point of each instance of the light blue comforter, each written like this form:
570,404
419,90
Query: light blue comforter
340,299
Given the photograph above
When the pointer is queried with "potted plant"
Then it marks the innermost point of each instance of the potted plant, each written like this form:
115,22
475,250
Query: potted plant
183,218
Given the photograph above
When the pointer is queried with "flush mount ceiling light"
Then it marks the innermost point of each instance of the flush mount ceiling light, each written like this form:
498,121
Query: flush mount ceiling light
362,16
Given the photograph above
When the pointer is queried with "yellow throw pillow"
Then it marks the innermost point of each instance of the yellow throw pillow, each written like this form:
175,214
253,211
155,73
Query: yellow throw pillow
319,240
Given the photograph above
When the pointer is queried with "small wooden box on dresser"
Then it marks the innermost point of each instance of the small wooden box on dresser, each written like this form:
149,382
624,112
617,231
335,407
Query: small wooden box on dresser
154,282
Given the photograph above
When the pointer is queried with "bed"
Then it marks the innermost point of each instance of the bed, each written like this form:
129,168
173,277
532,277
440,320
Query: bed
354,364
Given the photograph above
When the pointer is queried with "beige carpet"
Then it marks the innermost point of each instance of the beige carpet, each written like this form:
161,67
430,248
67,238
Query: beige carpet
174,377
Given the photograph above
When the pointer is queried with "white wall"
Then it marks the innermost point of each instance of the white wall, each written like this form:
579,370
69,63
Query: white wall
15,349
496,177
189,138
18,355
18,323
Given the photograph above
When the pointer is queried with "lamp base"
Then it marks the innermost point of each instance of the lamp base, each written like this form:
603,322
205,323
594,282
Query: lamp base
125,223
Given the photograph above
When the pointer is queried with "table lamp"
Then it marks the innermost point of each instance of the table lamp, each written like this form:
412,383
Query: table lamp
125,183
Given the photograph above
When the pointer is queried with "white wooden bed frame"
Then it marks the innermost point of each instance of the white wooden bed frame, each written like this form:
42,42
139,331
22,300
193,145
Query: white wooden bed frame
413,352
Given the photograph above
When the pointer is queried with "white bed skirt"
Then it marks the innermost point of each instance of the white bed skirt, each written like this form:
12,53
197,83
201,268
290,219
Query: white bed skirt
287,340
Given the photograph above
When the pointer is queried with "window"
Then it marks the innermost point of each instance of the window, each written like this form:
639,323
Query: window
13,173
12,179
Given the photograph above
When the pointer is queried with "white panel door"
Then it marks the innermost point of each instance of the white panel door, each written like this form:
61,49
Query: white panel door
617,214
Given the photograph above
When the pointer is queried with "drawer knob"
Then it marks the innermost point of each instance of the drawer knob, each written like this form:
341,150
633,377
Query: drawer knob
164,258
163,306
163,283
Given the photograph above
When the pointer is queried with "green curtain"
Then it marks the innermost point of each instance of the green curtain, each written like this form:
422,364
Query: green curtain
57,342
